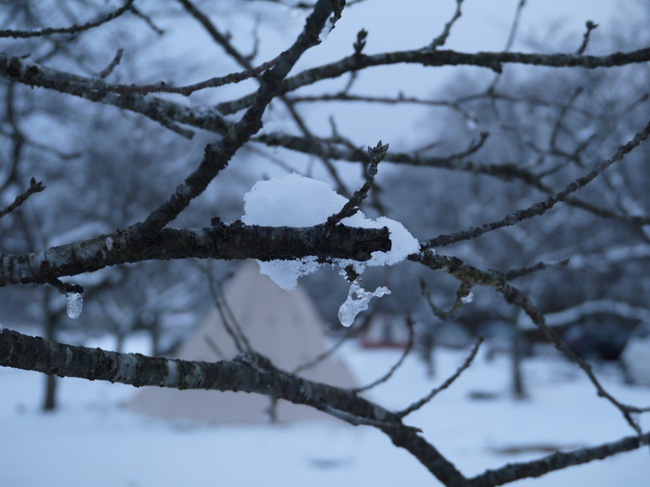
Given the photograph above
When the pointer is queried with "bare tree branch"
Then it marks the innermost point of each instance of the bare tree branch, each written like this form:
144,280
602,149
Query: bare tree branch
446,31
34,187
353,205
218,154
556,461
389,373
585,40
445,385
247,373
543,206
74,29
426,57
472,276
234,241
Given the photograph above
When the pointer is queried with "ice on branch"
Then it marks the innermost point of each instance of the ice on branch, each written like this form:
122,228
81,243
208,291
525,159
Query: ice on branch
467,299
74,303
357,301
297,201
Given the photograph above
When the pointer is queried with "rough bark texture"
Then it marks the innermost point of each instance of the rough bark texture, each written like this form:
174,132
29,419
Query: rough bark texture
236,241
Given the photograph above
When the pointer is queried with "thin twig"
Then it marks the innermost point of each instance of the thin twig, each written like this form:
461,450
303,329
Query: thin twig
397,365
463,296
517,298
468,274
186,90
446,31
515,26
231,326
326,354
359,421
74,29
418,404
353,205
111,66
34,187
524,271
543,206
147,19
591,25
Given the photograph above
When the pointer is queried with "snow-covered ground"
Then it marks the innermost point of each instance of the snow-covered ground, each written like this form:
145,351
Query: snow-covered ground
93,441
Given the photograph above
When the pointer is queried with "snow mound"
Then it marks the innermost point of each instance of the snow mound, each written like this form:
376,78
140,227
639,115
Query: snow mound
297,201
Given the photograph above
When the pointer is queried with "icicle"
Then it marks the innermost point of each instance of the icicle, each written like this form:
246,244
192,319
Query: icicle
467,299
74,303
357,301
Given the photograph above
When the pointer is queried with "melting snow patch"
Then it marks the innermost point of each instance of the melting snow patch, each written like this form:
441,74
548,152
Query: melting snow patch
357,301
297,201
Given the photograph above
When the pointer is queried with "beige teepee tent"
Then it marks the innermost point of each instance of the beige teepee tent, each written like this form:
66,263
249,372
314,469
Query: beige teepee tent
281,325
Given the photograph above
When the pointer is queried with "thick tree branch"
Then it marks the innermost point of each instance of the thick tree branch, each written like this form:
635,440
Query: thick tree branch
254,373
245,62
246,373
234,241
165,112
169,114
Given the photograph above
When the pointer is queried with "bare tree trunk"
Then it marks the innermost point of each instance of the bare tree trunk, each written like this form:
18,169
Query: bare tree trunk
51,381
155,339
119,341
429,347
516,353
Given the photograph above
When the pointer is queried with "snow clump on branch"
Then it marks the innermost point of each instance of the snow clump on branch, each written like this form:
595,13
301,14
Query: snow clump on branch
297,201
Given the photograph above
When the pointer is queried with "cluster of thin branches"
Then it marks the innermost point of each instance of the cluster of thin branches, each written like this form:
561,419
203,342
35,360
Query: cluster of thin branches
237,123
